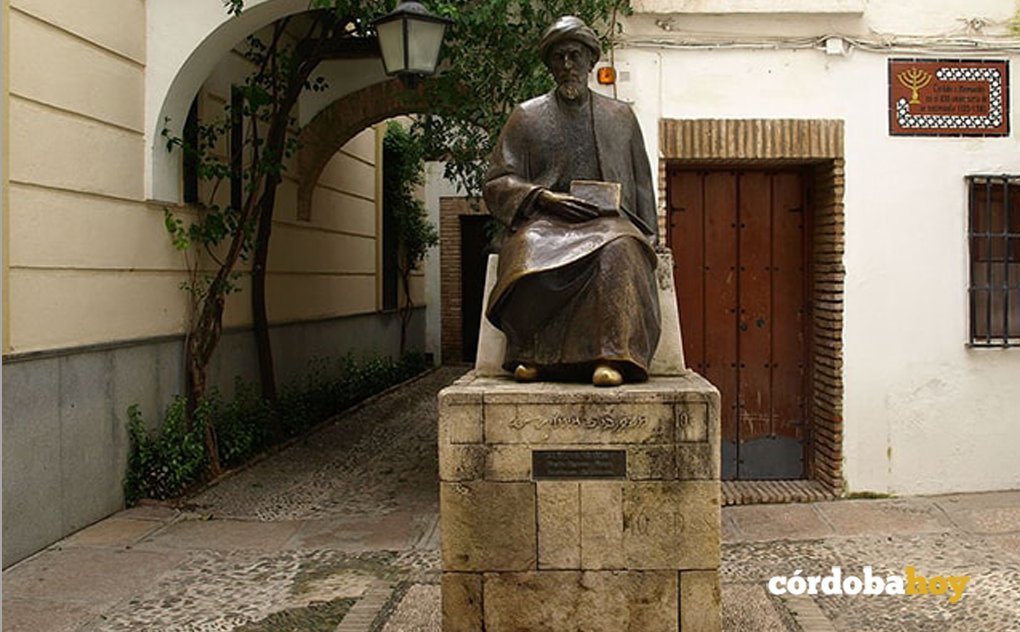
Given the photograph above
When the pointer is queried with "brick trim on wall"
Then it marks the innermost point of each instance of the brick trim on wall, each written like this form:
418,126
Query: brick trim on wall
828,274
816,145
451,209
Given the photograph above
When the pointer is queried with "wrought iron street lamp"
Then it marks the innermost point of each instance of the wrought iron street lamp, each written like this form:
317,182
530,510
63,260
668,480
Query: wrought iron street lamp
410,38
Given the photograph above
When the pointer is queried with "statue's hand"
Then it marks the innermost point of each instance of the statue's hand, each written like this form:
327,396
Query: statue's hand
566,207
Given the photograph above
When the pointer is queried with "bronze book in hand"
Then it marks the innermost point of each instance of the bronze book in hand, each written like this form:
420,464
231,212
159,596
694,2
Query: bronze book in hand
604,195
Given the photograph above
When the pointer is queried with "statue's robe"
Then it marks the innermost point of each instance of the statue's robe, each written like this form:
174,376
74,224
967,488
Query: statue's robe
569,295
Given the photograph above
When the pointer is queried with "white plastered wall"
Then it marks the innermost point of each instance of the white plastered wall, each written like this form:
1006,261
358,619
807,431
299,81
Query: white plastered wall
923,413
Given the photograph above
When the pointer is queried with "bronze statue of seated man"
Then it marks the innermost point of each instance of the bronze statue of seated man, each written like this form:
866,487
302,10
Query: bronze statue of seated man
576,292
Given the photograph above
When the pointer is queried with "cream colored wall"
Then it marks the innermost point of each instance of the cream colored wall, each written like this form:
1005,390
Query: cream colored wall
340,237
329,265
325,265
5,130
89,261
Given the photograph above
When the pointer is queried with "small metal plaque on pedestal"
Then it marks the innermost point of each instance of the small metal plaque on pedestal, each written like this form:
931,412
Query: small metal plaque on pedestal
578,464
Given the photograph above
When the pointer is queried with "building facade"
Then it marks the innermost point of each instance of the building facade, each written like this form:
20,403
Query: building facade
837,180
847,258
94,314
852,279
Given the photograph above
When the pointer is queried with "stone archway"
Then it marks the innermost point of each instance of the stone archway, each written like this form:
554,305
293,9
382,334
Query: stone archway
337,123
340,121
187,38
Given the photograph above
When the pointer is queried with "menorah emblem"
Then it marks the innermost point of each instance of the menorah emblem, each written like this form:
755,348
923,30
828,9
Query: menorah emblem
915,79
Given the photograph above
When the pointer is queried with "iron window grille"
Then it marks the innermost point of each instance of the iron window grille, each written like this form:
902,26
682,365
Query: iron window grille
994,237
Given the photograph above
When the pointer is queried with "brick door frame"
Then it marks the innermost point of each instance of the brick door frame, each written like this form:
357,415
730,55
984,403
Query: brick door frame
451,209
817,146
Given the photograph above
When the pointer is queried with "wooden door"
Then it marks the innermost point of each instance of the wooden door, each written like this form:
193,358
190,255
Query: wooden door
739,240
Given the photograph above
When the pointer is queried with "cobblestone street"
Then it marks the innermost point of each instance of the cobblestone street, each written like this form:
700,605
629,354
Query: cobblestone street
339,531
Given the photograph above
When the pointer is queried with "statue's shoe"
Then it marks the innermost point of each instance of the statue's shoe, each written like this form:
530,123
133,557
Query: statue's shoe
525,373
606,375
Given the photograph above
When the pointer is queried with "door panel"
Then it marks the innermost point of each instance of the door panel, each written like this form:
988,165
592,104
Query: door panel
718,300
789,274
740,254
688,218
754,396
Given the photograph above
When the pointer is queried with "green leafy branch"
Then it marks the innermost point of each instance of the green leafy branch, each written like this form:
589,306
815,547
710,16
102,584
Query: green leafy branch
403,172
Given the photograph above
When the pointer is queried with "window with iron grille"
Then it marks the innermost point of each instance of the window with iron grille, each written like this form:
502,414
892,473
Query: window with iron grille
994,231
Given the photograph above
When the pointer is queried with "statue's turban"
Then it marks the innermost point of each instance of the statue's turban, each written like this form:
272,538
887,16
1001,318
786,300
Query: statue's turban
565,28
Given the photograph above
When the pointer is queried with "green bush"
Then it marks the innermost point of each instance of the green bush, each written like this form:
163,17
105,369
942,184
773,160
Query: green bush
241,424
335,384
166,463
162,465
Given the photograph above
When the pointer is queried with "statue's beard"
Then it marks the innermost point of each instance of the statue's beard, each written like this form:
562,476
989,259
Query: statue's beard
571,90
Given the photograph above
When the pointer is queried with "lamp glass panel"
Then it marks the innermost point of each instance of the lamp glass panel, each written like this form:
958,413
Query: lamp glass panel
423,41
391,43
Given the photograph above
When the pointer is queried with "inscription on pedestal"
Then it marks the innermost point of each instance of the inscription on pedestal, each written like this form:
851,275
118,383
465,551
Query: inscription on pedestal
604,423
556,422
578,464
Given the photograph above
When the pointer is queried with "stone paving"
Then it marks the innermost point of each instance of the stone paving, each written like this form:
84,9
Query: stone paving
338,533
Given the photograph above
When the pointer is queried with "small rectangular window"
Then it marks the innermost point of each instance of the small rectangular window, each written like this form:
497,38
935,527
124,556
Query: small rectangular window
994,235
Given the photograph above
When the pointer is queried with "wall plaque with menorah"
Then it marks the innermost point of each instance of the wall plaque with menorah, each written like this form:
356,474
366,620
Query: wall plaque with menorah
948,97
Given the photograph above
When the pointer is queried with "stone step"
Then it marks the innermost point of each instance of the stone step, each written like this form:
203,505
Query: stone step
779,491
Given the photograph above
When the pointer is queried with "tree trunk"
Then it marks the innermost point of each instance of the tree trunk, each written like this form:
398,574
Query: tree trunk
199,344
203,336
260,317
275,144
206,328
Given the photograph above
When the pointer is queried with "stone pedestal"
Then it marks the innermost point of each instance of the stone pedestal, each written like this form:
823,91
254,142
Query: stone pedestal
565,507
